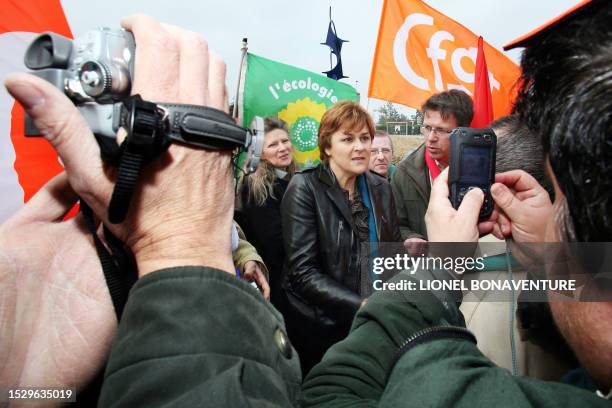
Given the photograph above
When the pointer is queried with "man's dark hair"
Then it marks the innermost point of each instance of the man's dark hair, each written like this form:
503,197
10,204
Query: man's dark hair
519,148
454,103
565,97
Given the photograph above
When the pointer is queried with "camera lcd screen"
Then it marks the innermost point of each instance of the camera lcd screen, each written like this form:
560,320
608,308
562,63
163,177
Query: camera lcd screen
475,163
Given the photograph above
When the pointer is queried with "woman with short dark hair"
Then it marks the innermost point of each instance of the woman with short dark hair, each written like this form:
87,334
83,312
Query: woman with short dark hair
327,213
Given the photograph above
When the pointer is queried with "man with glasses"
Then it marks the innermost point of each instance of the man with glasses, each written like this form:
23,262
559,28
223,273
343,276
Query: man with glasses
381,154
412,181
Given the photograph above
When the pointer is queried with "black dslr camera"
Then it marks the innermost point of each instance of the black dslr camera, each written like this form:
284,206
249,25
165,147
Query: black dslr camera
96,72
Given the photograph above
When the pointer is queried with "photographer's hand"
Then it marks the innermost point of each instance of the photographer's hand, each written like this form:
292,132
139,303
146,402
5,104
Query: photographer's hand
183,198
444,223
58,320
524,207
57,317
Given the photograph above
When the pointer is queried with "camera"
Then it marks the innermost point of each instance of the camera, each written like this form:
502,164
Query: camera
96,72
472,165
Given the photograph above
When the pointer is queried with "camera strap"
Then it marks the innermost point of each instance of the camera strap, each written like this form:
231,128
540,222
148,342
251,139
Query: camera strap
146,139
204,127
151,128
118,264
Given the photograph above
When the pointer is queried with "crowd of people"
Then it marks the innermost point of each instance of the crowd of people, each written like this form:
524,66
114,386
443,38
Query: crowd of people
192,334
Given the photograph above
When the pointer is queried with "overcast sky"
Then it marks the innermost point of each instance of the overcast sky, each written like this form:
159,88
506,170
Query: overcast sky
290,31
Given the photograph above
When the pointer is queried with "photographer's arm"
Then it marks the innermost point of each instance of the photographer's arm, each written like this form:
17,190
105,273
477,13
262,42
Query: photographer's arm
354,372
174,220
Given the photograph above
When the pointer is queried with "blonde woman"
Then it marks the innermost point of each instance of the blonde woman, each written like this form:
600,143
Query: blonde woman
259,198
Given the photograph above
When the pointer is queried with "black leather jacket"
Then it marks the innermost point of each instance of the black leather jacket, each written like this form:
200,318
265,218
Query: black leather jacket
322,272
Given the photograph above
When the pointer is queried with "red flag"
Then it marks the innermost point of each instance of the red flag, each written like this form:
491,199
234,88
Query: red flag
483,101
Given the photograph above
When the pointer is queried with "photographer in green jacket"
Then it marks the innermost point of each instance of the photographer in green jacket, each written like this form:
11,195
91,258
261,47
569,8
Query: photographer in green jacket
192,334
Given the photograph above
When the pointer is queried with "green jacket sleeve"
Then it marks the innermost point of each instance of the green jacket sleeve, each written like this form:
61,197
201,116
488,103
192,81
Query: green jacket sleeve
373,366
247,252
354,371
196,336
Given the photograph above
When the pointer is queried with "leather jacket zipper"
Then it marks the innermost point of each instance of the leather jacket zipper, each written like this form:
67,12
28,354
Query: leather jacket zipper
340,228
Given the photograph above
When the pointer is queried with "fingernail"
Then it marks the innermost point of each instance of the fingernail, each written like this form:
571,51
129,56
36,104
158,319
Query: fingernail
28,96
497,189
477,191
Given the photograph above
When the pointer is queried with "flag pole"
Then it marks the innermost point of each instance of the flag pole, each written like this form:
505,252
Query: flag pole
243,49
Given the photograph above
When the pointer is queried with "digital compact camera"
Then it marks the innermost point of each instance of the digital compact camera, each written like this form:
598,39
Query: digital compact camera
96,72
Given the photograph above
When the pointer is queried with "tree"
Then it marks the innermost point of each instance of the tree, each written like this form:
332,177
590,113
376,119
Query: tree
416,121
389,113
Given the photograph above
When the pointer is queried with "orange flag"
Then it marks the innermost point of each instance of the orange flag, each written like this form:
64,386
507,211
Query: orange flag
420,52
483,105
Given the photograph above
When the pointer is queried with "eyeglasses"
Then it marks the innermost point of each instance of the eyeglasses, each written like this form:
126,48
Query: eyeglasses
426,130
383,150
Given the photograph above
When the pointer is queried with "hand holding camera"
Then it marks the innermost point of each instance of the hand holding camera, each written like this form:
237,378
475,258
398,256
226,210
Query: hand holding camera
183,199
446,224
524,207
186,189
472,166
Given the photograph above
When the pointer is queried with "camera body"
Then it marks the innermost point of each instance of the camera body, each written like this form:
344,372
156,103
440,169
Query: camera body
472,165
96,71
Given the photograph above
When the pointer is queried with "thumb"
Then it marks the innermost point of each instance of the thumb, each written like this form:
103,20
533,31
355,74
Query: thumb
505,200
470,206
51,202
64,127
